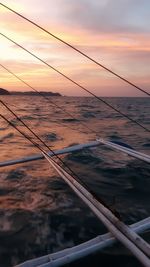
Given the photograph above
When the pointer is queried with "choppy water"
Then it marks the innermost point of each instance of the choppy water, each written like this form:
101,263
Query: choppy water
39,214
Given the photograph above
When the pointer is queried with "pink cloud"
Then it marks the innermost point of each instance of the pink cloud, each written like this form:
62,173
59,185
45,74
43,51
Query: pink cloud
127,52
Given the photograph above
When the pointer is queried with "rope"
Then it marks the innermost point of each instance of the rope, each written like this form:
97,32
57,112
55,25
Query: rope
122,232
77,84
62,151
34,143
138,253
49,100
102,212
43,151
22,133
77,50
30,140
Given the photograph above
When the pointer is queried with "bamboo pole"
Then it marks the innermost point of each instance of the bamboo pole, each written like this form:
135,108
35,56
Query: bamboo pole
57,152
77,252
126,150
123,233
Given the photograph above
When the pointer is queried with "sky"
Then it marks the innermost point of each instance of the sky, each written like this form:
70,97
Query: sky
115,33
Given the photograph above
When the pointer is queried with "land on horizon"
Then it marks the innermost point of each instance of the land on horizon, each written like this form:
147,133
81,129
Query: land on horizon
49,93
6,92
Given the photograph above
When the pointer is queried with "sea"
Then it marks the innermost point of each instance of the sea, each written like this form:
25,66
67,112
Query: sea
39,213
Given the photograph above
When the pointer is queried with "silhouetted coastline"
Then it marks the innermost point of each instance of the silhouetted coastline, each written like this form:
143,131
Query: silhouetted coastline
6,92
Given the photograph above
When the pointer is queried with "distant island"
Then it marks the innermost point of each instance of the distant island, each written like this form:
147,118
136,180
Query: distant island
5,92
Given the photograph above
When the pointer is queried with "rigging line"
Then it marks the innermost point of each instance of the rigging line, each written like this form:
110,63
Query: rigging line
92,198
140,246
26,126
49,100
35,135
75,176
77,84
22,133
92,202
37,145
33,142
77,50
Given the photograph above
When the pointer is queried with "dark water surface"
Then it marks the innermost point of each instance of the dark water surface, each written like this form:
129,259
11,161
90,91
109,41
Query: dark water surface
39,213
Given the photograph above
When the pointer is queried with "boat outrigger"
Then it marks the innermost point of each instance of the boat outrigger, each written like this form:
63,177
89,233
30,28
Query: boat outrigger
118,230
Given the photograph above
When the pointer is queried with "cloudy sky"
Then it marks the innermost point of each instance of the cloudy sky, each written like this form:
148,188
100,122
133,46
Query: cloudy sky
116,33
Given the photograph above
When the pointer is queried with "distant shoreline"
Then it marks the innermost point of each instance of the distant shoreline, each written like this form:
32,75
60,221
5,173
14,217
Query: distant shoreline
6,92
36,94
46,93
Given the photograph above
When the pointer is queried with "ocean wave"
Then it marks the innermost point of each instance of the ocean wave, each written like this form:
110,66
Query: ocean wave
39,213
7,136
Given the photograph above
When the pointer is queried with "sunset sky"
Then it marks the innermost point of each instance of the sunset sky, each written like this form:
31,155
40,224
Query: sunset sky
115,33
